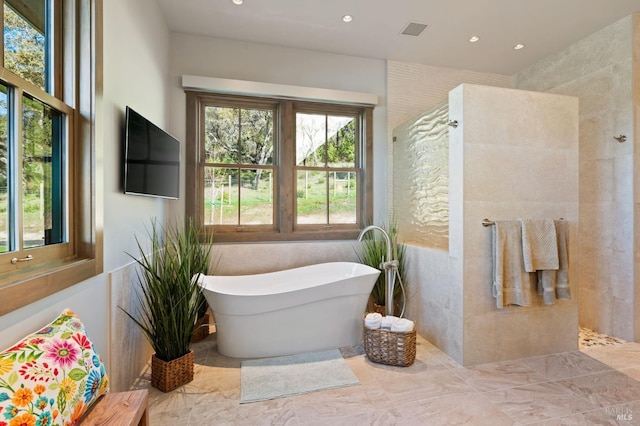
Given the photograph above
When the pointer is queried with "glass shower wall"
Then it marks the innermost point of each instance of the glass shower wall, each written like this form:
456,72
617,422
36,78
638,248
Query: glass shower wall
421,178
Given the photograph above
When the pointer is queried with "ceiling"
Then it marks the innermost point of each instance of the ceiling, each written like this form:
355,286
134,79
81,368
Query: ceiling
543,26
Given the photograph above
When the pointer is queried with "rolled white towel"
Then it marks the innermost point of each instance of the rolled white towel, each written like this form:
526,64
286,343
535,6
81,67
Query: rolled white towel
372,325
388,321
373,320
403,325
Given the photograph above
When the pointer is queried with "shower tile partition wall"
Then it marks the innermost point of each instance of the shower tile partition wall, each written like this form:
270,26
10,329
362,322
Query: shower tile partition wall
514,154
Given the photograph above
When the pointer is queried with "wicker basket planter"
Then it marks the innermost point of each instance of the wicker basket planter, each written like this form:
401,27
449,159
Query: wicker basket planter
390,347
169,375
381,309
201,329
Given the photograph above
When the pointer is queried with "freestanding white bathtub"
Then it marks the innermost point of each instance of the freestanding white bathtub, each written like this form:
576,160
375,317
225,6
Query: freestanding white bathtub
298,310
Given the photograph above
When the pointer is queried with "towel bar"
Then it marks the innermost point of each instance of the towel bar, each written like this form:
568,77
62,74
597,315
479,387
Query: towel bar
486,222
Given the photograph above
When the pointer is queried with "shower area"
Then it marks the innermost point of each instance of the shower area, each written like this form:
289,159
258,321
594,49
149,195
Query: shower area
486,153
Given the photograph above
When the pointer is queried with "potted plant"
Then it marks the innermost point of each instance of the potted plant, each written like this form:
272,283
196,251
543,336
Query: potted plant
200,264
170,299
373,253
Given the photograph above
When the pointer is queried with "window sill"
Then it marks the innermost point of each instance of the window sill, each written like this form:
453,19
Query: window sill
259,237
18,289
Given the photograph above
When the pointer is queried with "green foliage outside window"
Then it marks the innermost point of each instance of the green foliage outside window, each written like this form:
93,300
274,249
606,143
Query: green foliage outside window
24,48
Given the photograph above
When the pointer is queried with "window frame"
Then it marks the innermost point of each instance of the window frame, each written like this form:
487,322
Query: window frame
285,228
77,86
335,110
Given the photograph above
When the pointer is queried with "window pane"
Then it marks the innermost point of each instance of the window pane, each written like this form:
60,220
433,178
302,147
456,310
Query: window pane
4,173
311,197
238,136
42,174
256,128
311,131
24,40
341,146
342,197
220,196
221,135
256,197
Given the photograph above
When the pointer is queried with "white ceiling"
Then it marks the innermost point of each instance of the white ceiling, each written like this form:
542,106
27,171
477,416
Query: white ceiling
544,26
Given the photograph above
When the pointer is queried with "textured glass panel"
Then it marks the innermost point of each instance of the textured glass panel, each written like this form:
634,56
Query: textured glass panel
341,147
220,196
421,178
256,141
312,197
311,135
342,197
256,197
42,174
4,173
221,134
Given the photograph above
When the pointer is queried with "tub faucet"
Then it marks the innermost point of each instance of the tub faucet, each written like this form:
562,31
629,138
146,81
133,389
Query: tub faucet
390,265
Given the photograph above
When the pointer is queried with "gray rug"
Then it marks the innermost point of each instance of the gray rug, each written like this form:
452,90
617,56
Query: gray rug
270,378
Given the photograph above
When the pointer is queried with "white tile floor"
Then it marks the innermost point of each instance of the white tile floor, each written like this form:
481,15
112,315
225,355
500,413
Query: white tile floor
597,385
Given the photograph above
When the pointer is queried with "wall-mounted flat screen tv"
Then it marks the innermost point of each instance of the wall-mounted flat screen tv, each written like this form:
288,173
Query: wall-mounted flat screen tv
151,159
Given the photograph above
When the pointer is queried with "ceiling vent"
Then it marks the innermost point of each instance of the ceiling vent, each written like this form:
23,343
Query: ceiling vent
414,29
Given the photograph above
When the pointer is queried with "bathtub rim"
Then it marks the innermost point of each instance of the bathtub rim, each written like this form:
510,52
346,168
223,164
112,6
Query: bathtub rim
203,280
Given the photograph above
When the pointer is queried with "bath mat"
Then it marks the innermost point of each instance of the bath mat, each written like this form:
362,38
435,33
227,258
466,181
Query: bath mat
270,378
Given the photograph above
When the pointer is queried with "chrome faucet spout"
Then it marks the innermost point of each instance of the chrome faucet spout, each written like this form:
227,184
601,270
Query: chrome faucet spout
389,257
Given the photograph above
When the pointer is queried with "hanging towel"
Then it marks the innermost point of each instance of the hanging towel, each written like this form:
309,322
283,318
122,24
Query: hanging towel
511,284
562,229
539,244
555,283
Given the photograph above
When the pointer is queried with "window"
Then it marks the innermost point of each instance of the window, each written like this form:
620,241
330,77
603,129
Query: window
276,169
325,169
238,166
47,228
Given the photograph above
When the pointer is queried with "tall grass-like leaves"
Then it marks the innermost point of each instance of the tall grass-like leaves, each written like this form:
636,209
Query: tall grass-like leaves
170,298
374,252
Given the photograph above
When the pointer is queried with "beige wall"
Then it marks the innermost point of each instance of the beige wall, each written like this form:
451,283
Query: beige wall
245,259
599,71
635,87
501,153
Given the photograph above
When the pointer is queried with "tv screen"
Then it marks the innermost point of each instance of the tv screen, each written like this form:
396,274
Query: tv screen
152,158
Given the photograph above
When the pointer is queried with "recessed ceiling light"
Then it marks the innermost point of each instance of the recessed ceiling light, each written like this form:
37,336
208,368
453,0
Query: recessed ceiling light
347,18
237,2
474,39
518,46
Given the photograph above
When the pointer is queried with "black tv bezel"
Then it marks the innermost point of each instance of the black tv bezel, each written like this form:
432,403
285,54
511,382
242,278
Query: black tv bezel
126,154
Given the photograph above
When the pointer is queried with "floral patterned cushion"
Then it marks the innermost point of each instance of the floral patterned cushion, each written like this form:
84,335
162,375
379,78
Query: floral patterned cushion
51,377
